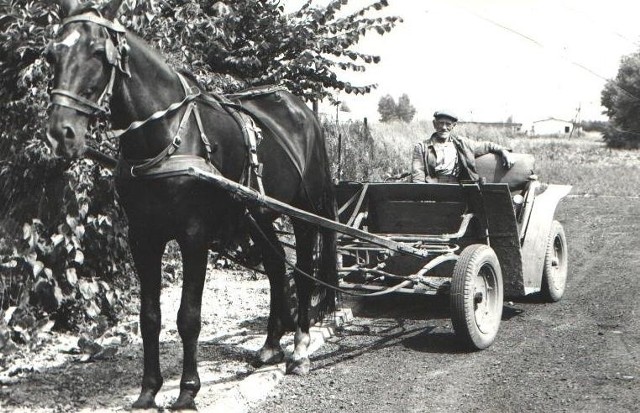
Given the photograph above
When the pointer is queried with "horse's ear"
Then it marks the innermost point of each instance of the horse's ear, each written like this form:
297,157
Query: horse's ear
67,7
110,10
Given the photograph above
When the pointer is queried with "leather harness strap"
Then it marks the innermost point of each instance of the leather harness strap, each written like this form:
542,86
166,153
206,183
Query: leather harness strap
252,134
192,107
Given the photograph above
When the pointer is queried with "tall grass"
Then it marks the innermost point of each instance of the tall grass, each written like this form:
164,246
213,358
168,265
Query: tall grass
382,150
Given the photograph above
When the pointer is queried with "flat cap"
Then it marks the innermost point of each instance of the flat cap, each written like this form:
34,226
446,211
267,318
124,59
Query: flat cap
445,114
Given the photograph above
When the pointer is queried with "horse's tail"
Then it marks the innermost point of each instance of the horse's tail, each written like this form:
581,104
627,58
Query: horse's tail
329,266
328,271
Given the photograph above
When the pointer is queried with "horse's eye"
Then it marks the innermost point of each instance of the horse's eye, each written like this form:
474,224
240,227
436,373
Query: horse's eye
89,92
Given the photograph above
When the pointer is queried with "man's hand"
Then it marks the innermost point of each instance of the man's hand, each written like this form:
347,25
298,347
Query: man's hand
507,159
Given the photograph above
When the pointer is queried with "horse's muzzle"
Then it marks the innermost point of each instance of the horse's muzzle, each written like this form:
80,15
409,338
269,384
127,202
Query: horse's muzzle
66,140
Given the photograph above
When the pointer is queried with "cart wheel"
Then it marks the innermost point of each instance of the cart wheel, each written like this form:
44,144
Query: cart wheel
554,274
476,296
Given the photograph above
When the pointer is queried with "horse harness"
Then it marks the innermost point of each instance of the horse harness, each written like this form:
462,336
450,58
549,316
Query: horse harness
165,163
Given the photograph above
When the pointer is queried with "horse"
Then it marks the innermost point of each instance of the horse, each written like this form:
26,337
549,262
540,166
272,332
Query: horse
165,124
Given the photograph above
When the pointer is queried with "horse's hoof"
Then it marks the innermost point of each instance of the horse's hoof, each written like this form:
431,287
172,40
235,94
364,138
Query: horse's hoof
270,356
185,402
299,367
145,402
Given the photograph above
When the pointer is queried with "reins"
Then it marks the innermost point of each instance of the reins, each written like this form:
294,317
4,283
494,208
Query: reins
113,134
276,251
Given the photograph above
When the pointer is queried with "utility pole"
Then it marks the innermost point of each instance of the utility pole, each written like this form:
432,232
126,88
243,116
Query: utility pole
339,141
576,119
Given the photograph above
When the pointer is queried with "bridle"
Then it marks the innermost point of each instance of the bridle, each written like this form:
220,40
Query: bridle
117,53
117,57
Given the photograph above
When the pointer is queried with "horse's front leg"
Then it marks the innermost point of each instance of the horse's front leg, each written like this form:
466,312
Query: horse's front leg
194,263
147,255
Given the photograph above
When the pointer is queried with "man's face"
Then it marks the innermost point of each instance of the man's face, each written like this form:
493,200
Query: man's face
444,126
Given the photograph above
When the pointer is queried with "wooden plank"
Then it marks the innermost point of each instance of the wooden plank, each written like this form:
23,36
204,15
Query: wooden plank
416,192
413,217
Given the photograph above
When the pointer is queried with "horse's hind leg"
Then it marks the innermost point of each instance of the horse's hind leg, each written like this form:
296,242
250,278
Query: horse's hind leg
272,253
306,236
147,254
194,263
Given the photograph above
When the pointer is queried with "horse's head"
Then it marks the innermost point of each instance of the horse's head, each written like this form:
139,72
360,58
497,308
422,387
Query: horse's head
86,57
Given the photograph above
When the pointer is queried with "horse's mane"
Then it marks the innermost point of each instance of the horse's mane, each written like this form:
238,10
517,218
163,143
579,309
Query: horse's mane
189,75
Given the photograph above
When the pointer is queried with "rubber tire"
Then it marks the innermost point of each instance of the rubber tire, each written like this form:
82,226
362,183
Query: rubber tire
476,271
556,259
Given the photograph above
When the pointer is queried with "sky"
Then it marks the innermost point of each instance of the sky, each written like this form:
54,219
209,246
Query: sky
488,60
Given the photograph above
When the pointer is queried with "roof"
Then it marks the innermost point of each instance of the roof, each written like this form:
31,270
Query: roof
552,118
498,124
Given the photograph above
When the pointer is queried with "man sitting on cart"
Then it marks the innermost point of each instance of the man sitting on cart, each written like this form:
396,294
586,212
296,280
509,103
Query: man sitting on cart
447,158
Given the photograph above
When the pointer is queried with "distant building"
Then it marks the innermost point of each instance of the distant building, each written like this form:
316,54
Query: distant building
505,126
551,126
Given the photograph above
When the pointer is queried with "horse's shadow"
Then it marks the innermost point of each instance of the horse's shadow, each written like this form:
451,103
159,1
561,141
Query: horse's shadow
418,323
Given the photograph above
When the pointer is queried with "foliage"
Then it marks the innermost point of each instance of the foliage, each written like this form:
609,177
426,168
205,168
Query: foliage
389,110
621,97
405,110
349,140
378,152
62,248
594,125
254,42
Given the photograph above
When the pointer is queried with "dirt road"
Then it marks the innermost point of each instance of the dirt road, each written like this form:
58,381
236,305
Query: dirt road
581,354
398,355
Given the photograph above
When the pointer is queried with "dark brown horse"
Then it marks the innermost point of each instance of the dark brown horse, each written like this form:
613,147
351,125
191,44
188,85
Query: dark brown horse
169,125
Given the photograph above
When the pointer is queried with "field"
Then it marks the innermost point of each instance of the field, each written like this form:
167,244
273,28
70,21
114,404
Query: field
583,161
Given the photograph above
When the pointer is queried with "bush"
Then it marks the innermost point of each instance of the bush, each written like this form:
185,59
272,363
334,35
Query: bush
619,139
372,153
62,248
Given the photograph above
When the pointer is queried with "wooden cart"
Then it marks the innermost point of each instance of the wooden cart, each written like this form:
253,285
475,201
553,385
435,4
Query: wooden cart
479,242
476,242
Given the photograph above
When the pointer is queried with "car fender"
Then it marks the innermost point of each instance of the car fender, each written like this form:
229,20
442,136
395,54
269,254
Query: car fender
536,234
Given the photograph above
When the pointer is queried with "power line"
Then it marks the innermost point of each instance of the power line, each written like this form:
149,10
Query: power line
543,46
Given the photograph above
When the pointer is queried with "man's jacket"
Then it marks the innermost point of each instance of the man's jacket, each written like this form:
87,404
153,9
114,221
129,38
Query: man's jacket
424,158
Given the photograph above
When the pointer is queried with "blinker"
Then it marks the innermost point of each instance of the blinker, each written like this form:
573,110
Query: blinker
118,55
111,52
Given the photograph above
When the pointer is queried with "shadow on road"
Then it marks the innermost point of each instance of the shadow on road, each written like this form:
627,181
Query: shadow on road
106,385
415,322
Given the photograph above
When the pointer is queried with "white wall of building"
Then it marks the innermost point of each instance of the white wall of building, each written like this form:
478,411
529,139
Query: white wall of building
551,126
